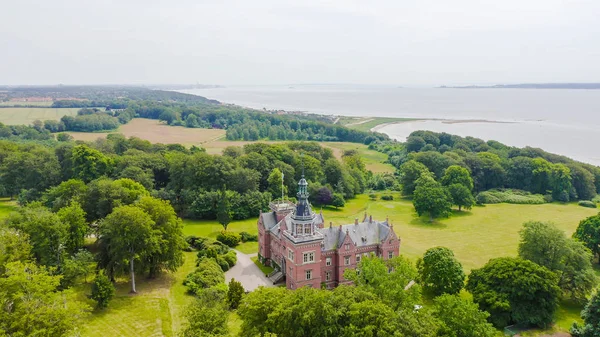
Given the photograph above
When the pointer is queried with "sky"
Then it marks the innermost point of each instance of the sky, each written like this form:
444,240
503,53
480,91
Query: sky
265,42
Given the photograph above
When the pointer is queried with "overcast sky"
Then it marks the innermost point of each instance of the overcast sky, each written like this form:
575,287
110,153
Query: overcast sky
398,42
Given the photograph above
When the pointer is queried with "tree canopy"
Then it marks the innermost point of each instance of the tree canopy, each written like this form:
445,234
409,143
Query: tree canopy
440,272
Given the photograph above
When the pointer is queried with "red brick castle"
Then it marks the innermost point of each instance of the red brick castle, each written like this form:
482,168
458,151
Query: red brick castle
293,240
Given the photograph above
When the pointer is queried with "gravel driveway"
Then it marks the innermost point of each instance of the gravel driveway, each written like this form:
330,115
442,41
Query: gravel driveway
246,272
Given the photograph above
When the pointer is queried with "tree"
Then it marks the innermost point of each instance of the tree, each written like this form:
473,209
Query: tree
561,182
457,175
440,272
275,182
169,228
462,318
588,232
414,144
338,200
390,280
128,234
324,196
234,294
410,172
548,246
74,267
104,194
14,246
224,209
33,304
333,171
591,318
47,233
73,217
583,181
515,291
102,290
461,196
206,317
57,197
431,198
89,164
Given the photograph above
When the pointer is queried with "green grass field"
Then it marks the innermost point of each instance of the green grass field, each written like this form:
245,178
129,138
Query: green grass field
26,116
374,161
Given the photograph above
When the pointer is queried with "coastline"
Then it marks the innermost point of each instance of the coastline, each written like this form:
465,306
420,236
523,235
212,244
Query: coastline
378,127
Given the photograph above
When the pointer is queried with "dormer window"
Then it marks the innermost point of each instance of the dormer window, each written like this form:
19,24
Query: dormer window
347,247
307,229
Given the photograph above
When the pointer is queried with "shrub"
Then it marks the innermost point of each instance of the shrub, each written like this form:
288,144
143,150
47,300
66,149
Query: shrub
509,196
587,203
387,197
230,258
247,237
231,239
102,290
338,200
208,274
222,262
373,196
596,199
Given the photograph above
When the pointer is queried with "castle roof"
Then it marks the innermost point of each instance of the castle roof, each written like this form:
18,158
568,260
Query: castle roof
364,233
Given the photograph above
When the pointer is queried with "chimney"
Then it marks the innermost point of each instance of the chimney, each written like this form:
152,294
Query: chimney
340,228
356,221
330,224
370,218
387,219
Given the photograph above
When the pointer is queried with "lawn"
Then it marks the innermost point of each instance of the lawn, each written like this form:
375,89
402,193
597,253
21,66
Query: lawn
374,161
29,103
26,116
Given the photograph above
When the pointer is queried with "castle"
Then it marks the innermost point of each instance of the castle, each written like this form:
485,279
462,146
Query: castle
293,240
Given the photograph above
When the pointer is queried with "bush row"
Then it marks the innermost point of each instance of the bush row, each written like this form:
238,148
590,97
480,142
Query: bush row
511,197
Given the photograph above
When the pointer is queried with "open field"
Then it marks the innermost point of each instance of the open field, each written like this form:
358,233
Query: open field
20,103
213,140
367,123
26,116
157,132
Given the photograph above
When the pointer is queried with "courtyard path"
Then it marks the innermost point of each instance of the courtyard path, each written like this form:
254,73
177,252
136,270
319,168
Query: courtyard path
247,273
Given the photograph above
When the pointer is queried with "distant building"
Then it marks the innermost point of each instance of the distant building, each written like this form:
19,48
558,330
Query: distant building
293,240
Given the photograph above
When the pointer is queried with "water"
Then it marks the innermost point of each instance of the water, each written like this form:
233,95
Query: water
557,120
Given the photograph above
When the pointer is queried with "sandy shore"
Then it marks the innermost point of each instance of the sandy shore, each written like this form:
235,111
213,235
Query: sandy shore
444,121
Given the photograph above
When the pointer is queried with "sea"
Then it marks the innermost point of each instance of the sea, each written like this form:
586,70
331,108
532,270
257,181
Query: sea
561,121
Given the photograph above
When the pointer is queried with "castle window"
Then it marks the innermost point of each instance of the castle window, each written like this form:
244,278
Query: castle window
328,276
291,255
347,260
328,261
307,229
357,258
308,274
390,254
309,257
347,247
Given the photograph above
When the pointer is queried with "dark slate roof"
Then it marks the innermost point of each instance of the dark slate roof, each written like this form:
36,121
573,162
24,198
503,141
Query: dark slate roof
269,220
303,209
363,234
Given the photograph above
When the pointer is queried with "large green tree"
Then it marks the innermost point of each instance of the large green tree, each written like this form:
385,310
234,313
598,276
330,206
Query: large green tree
47,233
104,194
89,164
73,216
440,272
431,198
588,232
14,246
461,196
275,182
224,211
391,280
548,246
33,305
168,226
514,290
462,318
561,182
128,234
410,172
457,175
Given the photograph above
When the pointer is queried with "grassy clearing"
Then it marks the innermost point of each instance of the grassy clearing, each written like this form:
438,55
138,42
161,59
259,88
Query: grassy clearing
26,116
374,161
368,123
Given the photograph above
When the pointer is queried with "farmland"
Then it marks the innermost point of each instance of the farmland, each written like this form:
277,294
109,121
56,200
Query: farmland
26,116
